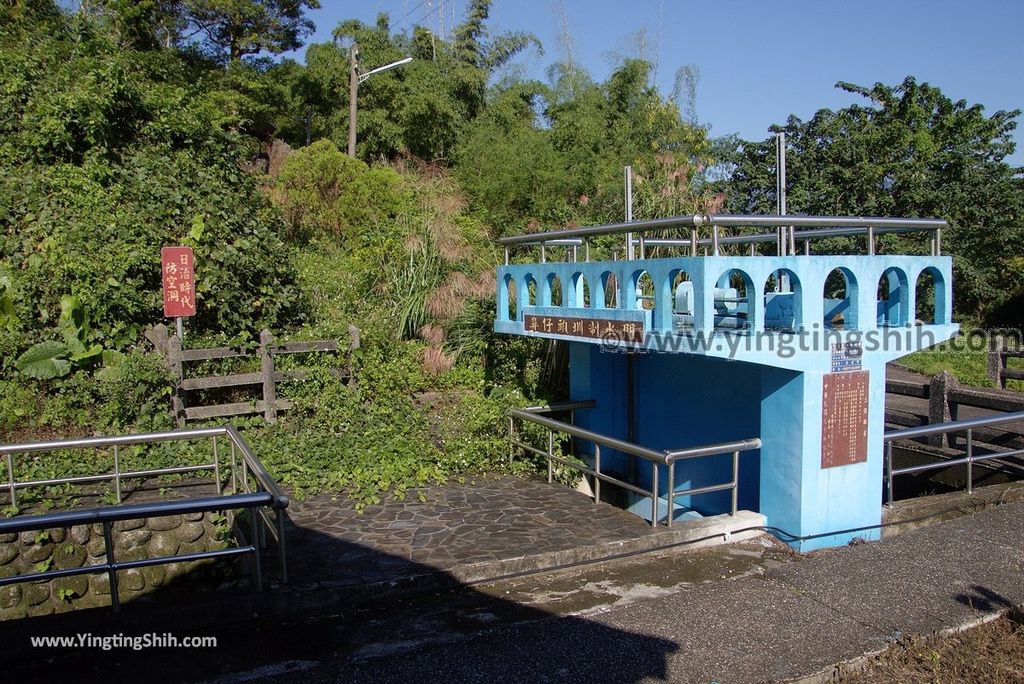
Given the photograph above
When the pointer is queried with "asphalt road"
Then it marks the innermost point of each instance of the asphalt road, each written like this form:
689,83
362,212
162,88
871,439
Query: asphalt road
753,612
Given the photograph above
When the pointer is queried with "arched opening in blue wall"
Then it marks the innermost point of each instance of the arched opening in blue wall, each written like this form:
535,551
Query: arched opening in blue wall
507,309
783,301
643,291
681,294
930,305
531,289
580,291
610,288
734,301
840,295
553,291
893,298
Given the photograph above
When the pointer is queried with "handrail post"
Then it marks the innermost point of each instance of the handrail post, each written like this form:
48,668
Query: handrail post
108,541
735,481
888,476
281,547
871,241
216,464
597,473
117,474
257,568
245,474
551,455
654,494
970,459
234,467
10,480
671,496
511,439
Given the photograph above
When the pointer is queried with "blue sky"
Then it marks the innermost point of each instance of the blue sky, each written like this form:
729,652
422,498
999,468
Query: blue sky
758,61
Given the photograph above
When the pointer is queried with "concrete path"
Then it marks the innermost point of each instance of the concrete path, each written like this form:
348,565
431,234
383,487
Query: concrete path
478,530
796,620
747,612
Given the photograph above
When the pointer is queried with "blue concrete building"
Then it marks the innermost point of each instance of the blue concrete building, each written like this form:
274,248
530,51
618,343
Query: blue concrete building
695,345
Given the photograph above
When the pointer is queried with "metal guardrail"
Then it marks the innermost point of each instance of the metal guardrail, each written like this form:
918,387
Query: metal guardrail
967,426
259,492
668,458
785,236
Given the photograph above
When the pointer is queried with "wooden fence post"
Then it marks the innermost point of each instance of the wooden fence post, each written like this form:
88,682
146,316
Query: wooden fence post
175,365
940,410
157,335
996,362
267,368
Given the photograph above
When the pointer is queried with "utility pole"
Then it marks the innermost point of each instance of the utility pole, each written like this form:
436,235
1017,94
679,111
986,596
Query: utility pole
628,173
780,187
355,78
353,92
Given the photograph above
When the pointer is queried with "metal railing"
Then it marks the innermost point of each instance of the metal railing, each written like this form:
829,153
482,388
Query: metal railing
967,426
785,235
668,458
252,489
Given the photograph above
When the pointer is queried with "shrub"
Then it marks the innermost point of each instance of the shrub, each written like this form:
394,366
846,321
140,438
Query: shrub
325,192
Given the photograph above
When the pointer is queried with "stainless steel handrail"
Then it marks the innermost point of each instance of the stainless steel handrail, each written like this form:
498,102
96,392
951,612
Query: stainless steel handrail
968,426
785,237
728,220
115,440
260,492
667,458
817,233
107,516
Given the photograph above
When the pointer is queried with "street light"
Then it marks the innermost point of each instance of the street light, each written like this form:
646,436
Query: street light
355,78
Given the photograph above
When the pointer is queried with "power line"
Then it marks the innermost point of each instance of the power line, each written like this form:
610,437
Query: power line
428,13
415,7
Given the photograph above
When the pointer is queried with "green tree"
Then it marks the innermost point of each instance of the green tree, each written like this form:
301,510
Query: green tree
247,27
421,109
554,154
108,153
911,151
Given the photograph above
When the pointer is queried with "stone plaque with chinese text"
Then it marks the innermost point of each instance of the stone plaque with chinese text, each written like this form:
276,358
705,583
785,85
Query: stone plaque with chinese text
844,418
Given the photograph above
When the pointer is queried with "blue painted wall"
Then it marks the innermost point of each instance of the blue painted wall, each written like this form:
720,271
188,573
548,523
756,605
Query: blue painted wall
708,384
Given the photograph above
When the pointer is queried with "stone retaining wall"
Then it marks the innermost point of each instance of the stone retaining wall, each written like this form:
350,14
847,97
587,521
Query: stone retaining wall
63,548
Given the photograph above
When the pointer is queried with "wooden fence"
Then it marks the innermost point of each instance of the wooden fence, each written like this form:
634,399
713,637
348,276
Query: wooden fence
998,370
945,396
266,378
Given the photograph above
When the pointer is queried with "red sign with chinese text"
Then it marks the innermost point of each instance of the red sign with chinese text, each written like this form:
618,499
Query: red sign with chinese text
179,281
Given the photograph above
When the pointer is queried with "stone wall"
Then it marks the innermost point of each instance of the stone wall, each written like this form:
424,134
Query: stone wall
63,548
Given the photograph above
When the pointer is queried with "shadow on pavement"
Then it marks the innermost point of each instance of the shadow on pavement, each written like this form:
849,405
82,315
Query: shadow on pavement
419,622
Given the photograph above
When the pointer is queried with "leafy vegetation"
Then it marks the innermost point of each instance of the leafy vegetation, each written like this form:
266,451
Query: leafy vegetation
911,151
127,126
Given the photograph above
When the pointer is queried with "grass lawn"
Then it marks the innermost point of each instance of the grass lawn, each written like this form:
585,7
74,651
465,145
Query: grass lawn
966,364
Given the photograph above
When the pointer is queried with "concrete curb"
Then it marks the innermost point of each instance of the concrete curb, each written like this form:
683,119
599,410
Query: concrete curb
852,666
701,533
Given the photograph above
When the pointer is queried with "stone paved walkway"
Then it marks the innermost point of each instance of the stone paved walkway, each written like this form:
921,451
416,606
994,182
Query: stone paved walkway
484,522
